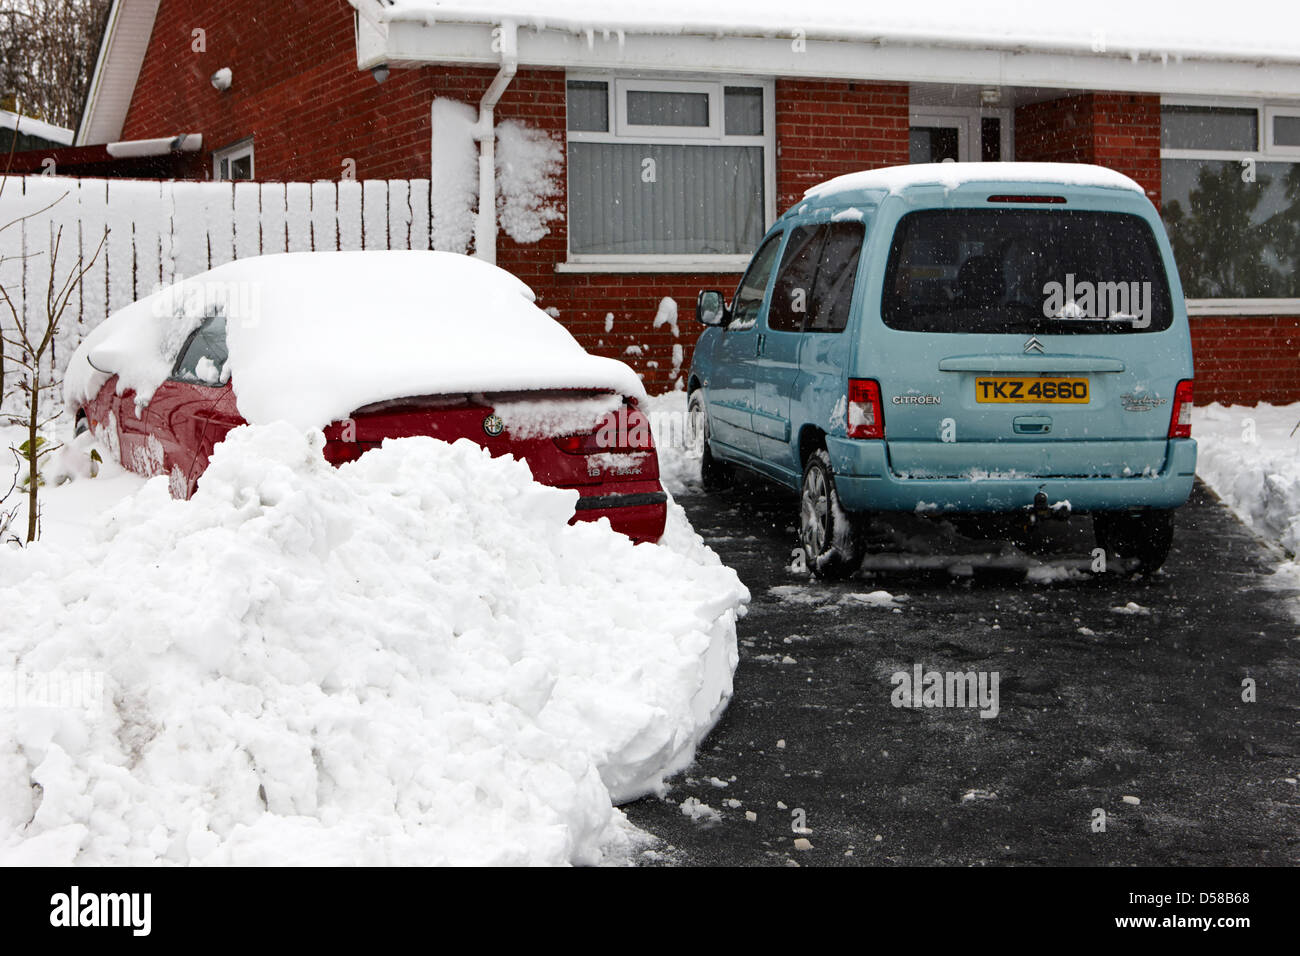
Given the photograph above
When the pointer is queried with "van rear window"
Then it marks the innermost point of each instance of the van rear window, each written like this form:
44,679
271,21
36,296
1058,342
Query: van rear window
1025,271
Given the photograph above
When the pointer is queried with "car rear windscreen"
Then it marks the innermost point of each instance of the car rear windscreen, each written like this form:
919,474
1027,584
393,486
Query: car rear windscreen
1025,271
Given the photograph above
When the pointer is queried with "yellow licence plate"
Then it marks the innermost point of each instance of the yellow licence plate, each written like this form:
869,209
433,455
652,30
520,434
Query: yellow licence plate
1071,390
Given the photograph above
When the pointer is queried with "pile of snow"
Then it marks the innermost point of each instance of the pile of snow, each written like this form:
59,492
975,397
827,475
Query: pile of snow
409,660
314,336
679,450
1251,458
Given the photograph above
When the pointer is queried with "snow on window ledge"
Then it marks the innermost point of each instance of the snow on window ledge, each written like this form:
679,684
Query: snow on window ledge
1243,307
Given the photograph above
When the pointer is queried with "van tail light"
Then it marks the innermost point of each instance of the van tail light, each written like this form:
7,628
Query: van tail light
866,415
626,430
1180,420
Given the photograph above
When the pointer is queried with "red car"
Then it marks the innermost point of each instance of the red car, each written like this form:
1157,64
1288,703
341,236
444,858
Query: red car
594,440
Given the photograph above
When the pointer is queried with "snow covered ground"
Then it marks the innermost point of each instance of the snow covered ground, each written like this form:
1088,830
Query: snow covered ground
1250,456
411,659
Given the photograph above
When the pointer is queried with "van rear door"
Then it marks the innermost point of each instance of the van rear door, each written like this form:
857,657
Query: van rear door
1028,339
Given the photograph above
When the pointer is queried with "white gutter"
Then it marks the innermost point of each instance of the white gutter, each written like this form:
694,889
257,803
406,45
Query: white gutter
138,148
485,228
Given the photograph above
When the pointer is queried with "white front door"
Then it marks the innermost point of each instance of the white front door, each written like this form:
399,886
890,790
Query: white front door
959,135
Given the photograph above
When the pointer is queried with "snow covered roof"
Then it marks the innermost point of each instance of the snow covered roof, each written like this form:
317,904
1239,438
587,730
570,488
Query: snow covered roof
313,336
34,127
953,175
1200,29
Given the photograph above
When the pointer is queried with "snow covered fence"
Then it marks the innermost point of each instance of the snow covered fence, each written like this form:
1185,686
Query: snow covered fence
161,231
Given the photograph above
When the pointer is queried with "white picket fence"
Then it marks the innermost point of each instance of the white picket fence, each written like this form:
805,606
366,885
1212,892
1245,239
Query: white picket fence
158,232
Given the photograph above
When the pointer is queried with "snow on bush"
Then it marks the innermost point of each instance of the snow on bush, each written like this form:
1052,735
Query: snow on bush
413,659
529,169
453,186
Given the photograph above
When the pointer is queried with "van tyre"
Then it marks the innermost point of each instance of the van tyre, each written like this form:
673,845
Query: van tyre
714,475
1143,536
832,545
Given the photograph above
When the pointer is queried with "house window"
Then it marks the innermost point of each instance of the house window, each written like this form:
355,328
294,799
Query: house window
666,173
1230,199
233,162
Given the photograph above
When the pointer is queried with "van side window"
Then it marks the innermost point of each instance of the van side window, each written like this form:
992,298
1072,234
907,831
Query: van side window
814,288
793,294
749,295
836,274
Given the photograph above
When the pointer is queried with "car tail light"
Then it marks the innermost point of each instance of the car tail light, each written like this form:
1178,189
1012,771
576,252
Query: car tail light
338,452
1180,420
866,415
626,430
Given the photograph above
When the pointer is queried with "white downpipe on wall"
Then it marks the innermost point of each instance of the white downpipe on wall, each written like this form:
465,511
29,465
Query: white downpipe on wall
485,228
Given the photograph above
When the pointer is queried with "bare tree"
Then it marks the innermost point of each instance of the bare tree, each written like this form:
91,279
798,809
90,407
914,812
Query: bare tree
27,346
47,54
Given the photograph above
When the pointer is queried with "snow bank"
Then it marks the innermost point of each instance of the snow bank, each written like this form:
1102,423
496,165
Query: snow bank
679,450
409,660
316,335
1251,458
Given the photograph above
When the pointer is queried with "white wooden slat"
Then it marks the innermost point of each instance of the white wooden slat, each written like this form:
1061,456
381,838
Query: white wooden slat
120,247
349,214
420,214
92,211
219,216
374,213
189,229
274,237
399,214
324,217
297,198
248,226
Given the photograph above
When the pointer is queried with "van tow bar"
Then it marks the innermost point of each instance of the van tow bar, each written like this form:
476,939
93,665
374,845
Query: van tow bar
1040,510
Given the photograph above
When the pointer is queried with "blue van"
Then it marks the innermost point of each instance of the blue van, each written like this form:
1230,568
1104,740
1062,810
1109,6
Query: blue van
957,339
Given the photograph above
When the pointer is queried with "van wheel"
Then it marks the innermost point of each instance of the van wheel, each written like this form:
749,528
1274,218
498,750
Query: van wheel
831,544
714,475
1144,536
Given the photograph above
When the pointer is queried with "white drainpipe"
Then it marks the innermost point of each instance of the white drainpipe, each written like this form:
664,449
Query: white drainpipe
485,228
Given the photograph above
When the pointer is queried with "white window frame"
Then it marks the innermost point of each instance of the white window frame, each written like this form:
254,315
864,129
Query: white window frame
1264,152
231,153
970,131
1270,114
617,86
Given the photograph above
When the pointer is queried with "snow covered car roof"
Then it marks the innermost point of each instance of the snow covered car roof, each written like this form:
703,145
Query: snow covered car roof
952,175
313,336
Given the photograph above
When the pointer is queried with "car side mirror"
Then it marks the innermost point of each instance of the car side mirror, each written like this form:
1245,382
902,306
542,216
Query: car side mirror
711,308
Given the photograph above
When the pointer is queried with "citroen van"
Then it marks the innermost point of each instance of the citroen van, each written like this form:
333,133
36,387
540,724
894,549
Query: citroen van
957,339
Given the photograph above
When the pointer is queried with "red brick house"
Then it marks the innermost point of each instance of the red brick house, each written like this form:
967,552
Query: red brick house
738,107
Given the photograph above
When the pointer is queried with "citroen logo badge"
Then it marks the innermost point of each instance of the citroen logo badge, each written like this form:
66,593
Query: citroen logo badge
1034,346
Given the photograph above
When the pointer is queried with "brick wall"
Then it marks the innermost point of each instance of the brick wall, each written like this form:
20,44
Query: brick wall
1242,360
1117,130
297,90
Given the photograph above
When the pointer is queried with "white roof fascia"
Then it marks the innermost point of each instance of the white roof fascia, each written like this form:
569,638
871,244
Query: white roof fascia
121,54
411,43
